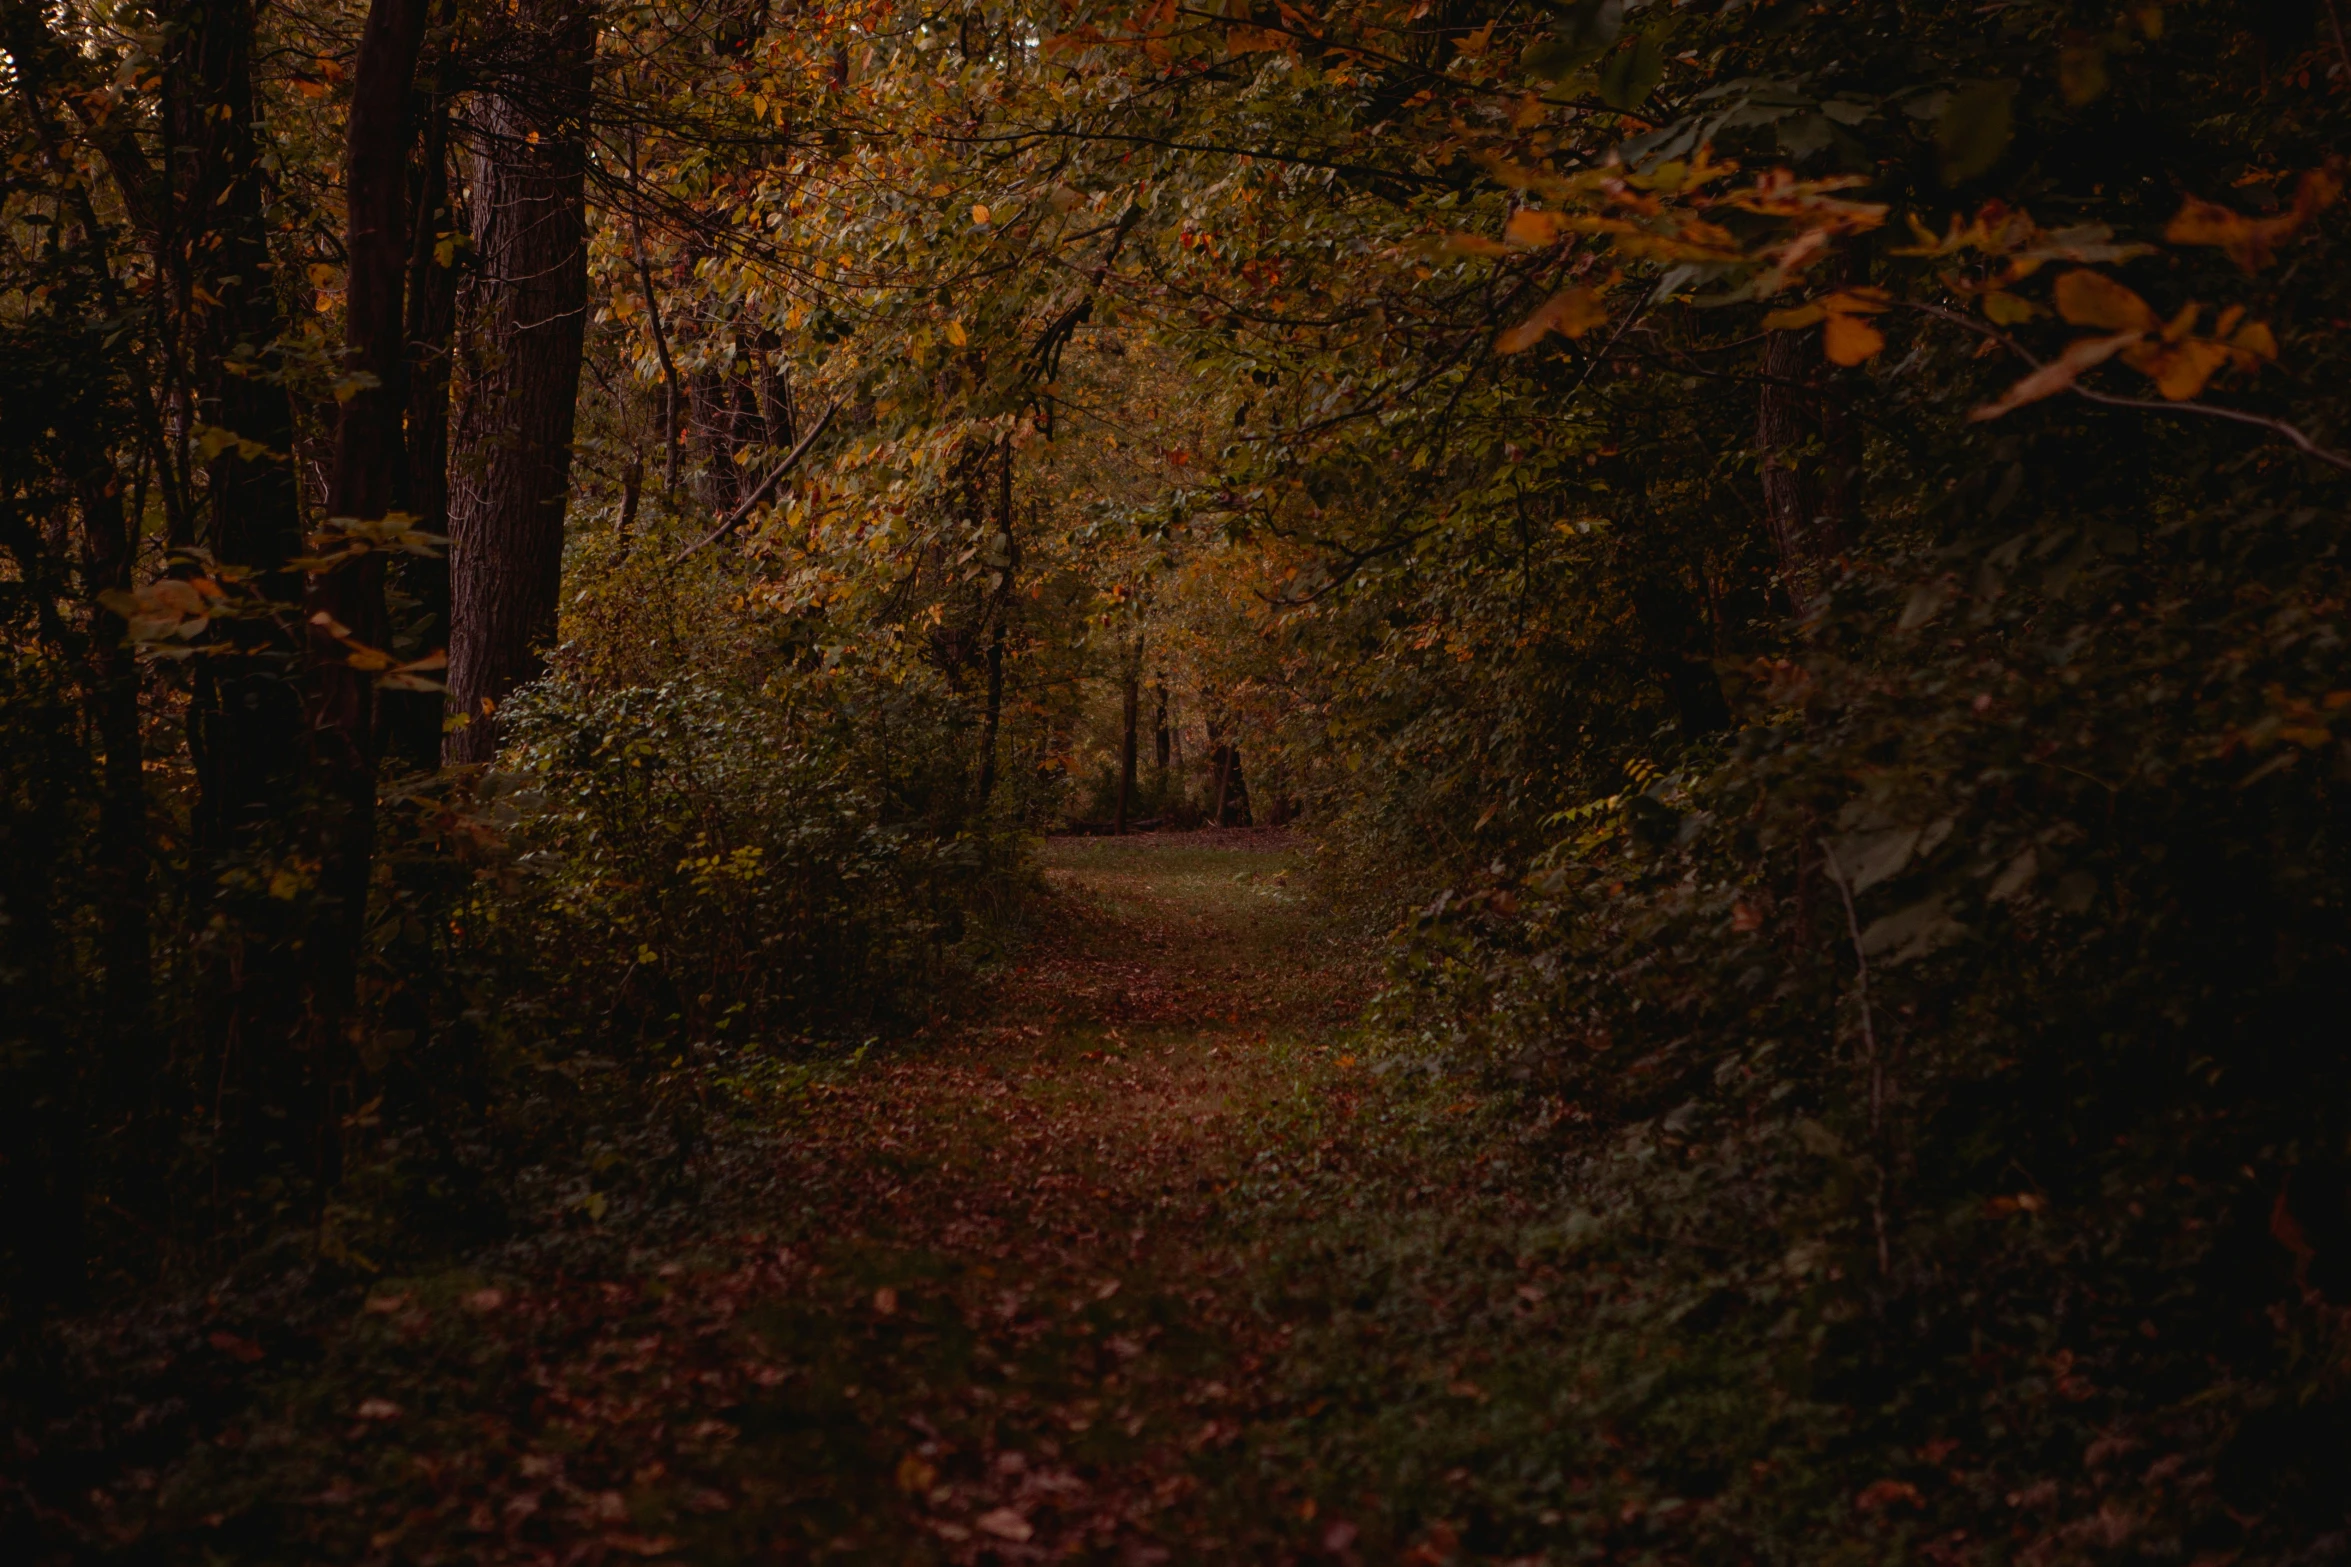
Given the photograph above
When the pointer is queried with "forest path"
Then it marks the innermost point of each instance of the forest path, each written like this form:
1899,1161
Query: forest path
1140,1265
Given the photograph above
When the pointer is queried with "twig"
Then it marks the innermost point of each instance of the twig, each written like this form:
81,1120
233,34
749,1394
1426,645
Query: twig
2279,427
735,519
1869,1046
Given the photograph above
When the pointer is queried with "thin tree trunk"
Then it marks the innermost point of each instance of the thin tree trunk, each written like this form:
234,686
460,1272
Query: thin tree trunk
527,315
245,716
993,719
1131,692
132,1062
1220,757
1161,743
412,719
669,369
632,487
346,603
214,247
1803,438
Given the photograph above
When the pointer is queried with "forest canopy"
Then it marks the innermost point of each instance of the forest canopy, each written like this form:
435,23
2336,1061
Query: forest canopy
560,559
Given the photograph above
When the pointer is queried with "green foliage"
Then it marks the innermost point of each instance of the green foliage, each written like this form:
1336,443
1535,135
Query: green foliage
2037,1152
770,865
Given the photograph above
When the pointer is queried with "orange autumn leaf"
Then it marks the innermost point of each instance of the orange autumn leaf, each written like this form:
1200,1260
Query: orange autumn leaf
1529,228
2180,370
2252,242
1472,245
2088,298
1848,340
1571,312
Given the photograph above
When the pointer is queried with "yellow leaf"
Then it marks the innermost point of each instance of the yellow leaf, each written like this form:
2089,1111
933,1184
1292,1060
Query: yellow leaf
2058,374
956,334
1849,340
2088,298
2254,338
979,215
1571,312
2006,309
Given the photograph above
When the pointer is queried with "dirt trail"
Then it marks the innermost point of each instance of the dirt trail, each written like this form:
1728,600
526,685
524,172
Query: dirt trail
996,1302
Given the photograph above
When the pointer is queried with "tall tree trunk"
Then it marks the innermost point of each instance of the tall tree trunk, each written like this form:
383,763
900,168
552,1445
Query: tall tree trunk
412,719
245,716
42,1110
526,323
132,1060
346,603
214,246
993,718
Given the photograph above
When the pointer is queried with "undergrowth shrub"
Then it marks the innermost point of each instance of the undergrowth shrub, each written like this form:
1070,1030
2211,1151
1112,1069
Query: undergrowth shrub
1949,1070
777,865
666,899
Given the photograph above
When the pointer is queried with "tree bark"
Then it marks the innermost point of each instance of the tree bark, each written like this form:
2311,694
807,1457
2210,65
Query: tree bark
669,369
1804,516
992,720
1162,741
345,603
1132,695
412,719
526,324
213,245
132,1061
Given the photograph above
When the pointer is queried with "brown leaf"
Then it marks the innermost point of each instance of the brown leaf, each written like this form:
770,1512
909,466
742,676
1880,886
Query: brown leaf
2088,298
1880,1494
1005,1524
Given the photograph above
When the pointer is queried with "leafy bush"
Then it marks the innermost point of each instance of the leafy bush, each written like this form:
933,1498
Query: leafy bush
777,865
2015,1186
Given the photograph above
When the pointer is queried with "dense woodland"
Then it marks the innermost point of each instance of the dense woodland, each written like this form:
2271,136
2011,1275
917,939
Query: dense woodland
1787,558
